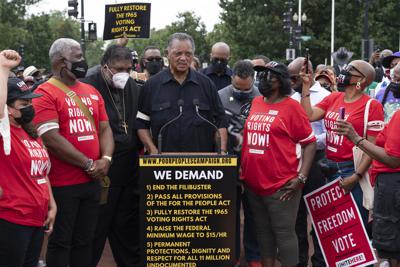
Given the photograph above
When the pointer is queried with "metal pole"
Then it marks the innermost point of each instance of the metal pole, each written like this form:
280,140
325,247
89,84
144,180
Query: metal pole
333,31
83,46
291,25
366,32
299,23
299,13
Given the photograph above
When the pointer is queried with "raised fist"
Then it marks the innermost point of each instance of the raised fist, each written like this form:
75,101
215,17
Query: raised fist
9,59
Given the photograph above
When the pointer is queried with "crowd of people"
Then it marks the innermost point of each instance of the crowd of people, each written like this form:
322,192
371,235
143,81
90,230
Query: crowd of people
72,139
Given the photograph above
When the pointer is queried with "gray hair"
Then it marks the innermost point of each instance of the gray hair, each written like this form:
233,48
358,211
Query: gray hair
243,69
60,47
181,37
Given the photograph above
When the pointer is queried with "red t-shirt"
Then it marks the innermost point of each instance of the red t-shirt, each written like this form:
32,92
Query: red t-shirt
74,126
26,196
270,144
390,141
339,148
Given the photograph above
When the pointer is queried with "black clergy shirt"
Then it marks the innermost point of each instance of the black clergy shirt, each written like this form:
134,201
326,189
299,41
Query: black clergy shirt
158,104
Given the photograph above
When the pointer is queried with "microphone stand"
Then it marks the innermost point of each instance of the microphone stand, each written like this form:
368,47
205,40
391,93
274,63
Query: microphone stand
218,141
180,105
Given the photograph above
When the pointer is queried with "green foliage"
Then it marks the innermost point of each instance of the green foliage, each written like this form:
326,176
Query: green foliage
37,32
94,52
187,22
255,26
250,27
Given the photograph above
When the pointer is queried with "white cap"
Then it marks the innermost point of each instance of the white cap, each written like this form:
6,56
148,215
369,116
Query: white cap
29,71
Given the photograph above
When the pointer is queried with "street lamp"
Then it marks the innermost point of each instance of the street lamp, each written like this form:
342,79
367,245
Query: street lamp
304,17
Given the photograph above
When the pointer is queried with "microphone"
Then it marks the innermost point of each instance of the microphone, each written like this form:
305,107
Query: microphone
196,103
180,103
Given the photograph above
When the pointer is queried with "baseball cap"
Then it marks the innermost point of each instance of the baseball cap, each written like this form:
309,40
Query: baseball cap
324,74
17,89
275,67
29,71
387,60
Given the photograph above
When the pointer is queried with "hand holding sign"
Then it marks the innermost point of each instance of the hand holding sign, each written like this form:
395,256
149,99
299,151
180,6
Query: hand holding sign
123,41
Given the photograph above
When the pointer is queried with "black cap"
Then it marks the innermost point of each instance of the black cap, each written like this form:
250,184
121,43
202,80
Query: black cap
275,67
17,89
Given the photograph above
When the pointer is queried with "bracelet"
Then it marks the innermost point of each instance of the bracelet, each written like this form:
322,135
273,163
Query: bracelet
359,141
359,175
88,165
302,178
304,96
108,158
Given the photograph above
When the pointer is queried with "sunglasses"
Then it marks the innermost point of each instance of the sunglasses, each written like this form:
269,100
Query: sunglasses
350,68
157,59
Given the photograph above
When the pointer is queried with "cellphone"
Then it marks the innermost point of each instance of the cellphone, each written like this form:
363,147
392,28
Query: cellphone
45,227
306,59
341,113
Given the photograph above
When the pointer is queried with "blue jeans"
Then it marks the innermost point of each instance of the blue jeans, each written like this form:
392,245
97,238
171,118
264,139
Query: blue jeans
345,169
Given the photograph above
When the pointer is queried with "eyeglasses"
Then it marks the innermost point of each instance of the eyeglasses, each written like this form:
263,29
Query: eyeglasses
350,68
157,59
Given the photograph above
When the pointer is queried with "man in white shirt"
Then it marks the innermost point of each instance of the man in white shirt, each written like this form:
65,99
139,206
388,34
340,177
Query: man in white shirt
316,178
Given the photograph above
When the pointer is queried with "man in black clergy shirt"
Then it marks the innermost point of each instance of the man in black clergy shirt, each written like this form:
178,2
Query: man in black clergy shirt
119,217
178,85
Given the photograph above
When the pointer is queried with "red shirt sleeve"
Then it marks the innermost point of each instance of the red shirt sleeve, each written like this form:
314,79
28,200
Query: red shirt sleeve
45,107
301,127
327,101
375,118
392,145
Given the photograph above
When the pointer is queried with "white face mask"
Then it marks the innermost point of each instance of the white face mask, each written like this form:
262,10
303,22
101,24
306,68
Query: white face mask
120,79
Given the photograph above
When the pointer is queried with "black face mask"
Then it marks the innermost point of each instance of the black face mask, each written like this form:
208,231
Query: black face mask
27,114
219,65
298,88
395,89
265,88
153,67
343,80
327,87
79,68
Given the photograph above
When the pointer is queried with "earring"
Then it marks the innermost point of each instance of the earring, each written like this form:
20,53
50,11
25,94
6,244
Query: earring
358,86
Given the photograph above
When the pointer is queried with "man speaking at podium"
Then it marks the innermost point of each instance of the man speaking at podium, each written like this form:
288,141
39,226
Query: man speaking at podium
181,107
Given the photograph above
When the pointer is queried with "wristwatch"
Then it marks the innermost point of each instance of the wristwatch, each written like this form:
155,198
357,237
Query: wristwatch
302,178
107,158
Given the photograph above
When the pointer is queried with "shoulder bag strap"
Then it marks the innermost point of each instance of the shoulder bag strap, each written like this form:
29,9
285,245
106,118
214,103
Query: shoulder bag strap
71,94
366,114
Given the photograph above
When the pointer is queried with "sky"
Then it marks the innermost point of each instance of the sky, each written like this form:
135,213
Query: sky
163,12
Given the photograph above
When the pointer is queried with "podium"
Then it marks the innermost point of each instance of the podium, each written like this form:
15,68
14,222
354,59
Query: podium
188,210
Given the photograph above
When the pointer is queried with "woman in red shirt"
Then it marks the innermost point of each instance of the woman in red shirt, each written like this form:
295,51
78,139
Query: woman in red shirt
275,130
27,207
352,81
386,166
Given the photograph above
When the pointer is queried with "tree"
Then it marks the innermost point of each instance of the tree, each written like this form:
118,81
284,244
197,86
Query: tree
94,52
255,26
187,22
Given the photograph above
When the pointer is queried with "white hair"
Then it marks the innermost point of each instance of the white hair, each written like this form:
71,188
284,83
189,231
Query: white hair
61,47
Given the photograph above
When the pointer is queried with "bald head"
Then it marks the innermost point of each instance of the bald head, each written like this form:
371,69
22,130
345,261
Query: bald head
295,66
366,69
220,50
